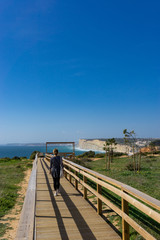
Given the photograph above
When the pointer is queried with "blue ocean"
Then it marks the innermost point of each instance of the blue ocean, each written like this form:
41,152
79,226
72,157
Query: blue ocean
26,150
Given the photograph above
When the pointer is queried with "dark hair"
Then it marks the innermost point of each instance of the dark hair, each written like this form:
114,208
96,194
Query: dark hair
55,151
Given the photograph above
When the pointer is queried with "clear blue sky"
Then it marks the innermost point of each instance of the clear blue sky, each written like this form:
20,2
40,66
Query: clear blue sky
78,69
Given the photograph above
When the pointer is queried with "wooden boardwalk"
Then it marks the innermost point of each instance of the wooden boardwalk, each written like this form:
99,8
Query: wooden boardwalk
68,215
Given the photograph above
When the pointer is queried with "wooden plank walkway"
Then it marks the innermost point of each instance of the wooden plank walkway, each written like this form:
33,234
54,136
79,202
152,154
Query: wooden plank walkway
68,215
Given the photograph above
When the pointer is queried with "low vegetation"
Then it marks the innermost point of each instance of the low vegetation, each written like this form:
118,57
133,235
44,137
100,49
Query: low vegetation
88,154
33,154
12,172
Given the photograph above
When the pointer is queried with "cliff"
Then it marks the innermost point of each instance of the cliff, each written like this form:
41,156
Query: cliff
98,145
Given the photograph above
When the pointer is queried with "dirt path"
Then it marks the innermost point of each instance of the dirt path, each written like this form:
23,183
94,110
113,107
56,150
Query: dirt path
12,218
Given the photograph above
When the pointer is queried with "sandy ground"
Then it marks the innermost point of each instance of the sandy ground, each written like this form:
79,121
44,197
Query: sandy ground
12,218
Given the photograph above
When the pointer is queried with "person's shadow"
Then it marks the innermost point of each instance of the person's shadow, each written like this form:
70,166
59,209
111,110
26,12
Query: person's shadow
80,222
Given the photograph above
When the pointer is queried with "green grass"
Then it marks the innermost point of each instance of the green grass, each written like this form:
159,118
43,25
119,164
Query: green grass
11,174
147,181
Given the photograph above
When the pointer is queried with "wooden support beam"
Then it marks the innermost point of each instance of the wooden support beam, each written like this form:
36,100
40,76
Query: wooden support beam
65,174
84,188
99,202
76,182
125,225
70,177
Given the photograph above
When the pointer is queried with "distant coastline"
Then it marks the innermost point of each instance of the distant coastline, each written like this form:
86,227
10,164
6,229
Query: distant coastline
98,144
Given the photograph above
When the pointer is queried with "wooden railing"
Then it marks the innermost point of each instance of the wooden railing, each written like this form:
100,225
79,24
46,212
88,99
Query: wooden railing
26,227
125,192
128,195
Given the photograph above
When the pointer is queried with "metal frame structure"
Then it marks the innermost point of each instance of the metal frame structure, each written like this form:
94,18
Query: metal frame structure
73,143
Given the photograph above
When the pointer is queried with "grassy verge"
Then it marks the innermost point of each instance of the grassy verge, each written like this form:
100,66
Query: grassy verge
147,181
12,172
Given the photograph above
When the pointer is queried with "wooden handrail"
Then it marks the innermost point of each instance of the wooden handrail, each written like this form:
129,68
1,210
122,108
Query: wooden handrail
131,222
130,190
121,192
124,191
151,213
27,219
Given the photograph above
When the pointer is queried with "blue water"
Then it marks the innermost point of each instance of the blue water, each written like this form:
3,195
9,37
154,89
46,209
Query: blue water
25,151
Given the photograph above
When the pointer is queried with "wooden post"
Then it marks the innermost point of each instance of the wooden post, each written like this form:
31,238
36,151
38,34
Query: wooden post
84,189
65,174
125,225
76,182
99,202
70,177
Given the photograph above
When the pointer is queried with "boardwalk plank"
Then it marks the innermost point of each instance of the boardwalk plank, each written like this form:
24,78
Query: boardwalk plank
68,215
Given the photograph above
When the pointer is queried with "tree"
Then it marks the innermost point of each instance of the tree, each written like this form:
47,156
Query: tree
113,143
130,139
152,146
109,147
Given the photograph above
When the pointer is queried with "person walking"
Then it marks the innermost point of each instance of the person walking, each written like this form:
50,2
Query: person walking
55,166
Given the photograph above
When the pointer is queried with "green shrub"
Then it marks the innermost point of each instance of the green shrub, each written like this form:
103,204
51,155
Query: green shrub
100,155
145,154
17,158
7,201
130,166
88,154
23,157
148,153
118,154
29,165
33,154
18,166
6,158
156,152
83,162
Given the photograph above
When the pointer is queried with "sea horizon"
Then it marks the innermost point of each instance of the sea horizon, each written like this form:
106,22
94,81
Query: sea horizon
25,150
